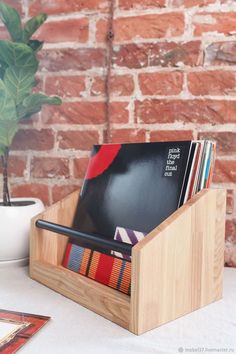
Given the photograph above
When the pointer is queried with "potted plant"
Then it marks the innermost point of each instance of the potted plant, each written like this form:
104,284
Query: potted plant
18,102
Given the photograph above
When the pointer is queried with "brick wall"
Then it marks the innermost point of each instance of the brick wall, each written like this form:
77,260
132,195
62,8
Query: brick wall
173,77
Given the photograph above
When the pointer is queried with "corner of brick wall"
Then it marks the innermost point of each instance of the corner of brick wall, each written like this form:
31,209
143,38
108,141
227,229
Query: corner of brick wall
173,77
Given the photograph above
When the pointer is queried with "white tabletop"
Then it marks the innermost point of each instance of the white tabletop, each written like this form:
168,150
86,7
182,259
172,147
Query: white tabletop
74,329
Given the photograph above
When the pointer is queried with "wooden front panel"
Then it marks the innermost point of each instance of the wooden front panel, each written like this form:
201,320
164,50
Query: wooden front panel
97,297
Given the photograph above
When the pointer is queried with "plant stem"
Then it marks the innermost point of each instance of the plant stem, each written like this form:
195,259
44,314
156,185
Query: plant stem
6,195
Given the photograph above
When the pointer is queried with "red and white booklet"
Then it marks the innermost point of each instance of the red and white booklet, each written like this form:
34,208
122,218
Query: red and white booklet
16,328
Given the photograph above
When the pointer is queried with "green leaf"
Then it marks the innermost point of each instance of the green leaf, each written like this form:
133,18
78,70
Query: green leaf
8,117
11,20
25,112
37,99
8,130
2,149
32,25
33,104
35,45
7,104
19,83
18,54
3,68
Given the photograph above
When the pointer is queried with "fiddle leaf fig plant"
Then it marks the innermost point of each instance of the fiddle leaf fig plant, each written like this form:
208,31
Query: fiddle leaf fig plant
18,66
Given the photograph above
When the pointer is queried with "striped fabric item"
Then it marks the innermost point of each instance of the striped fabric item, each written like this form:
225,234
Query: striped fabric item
103,268
129,236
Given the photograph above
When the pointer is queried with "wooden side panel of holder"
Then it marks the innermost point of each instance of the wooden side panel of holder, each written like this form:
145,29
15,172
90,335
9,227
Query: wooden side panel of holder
45,245
178,267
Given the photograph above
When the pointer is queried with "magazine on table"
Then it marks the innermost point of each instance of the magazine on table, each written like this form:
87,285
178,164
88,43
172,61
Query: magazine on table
16,328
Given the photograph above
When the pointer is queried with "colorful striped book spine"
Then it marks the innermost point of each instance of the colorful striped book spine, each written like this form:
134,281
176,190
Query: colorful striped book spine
105,269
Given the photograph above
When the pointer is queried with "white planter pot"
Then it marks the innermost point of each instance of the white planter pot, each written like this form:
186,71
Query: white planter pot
14,230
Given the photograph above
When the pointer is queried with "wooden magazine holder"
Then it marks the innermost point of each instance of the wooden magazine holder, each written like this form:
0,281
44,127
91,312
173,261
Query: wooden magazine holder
176,269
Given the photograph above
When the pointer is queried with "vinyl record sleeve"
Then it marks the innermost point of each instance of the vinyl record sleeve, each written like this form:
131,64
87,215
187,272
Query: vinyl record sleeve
135,186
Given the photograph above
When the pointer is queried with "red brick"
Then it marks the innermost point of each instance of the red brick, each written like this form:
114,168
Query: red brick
225,141
97,86
187,111
148,26
71,59
230,229
119,112
132,56
176,54
166,54
30,139
230,201
79,140
191,3
171,135
140,4
212,83
16,166
64,6
224,171
49,167
170,83
230,253
221,53
65,30
61,191
65,86
224,22
80,167
145,26
75,113
120,85
33,190
102,27
127,135
230,244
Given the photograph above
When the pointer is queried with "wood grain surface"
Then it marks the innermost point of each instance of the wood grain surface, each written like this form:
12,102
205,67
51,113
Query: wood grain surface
176,269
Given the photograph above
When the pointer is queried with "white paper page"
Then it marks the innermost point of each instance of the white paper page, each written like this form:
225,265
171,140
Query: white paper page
7,329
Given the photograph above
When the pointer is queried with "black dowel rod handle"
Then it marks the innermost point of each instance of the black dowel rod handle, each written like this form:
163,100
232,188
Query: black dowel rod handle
92,239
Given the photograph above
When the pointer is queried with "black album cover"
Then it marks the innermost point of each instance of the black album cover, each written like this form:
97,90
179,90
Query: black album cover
135,186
